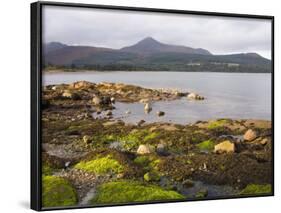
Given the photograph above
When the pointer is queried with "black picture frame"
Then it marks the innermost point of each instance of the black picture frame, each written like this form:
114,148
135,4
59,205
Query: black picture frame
36,83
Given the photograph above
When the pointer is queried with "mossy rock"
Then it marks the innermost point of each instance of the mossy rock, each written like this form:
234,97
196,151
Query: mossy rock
217,124
202,193
255,189
137,137
142,161
132,191
47,169
101,165
151,176
99,141
57,192
207,145
148,163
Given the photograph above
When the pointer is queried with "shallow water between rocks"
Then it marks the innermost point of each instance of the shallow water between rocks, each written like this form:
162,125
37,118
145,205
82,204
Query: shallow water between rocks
228,95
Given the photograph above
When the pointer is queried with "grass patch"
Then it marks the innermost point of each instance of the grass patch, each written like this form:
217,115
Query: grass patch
57,192
131,191
253,189
207,145
101,165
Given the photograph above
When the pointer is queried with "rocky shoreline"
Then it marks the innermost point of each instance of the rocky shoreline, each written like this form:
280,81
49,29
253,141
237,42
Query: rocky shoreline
93,158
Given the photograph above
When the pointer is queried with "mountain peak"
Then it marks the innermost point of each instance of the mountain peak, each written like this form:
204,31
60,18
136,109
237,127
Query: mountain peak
150,45
149,39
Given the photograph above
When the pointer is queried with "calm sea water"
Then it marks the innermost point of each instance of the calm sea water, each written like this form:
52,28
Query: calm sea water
228,95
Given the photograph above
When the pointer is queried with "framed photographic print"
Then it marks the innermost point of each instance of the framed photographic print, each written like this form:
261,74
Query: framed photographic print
139,105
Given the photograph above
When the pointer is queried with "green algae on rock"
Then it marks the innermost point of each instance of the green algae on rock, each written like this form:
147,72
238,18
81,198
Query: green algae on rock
57,192
255,189
207,145
142,160
132,191
148,162
101,165
136,138
47,169
217,123
202,193
151,176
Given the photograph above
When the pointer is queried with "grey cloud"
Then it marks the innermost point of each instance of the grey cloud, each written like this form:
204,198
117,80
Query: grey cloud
116,29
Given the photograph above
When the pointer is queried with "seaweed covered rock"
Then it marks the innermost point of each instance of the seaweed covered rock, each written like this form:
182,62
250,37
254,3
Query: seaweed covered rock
207,145
151,176
202,193
255,189
101,165
132,191
57,192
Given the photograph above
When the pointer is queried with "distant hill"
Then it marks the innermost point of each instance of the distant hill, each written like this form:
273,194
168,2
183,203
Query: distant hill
49,47
150,45
150,54
69,54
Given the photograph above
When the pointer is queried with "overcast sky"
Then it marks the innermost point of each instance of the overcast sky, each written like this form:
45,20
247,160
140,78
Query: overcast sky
116,29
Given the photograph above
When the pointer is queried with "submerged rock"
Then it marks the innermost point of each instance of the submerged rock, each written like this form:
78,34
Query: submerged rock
250,135
128,112
225,146
160,113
